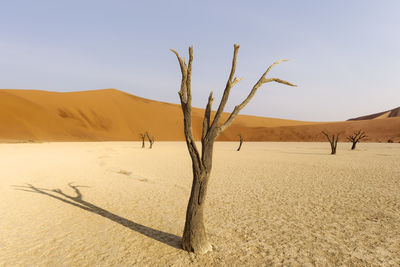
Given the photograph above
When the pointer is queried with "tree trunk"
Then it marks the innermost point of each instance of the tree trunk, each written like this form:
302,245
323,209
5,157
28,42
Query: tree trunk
353,146
240,145
194,235
335,144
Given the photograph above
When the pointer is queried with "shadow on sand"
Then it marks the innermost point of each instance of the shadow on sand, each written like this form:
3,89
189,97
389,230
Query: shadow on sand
77,201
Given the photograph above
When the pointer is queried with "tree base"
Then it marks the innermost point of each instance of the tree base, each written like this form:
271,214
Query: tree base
200,249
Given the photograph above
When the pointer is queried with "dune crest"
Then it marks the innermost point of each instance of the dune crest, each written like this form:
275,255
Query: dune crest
380,115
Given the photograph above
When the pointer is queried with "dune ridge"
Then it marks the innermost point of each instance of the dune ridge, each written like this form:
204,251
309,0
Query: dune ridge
113,115
380,115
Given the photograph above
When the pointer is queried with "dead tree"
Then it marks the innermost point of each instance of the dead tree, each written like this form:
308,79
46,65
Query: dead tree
194,235
333,141
241,142
355,138
151,140
143,137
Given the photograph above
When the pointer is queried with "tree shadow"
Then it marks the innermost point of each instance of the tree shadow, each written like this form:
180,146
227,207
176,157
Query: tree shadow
77,201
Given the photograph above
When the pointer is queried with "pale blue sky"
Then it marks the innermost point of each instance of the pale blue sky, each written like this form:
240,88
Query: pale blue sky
344,55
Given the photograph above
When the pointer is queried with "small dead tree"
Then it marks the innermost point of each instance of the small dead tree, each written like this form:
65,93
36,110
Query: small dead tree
355,138
333,141
151,140
194,235
143,137
241,142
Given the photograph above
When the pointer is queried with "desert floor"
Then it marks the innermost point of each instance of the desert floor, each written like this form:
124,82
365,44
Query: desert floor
115,204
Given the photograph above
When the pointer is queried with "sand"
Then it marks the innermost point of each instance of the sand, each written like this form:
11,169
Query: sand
115,204
99,115
113,115
380,115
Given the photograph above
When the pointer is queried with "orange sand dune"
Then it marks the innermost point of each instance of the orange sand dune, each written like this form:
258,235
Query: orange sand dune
110,114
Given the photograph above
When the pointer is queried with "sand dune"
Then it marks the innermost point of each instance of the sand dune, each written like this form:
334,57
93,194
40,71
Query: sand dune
271,204
381,115
98,115
110,114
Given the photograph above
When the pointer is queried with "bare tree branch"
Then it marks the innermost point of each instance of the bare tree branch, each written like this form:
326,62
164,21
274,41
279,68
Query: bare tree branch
278,81
207,115
355,138
327,136
260,82
231,81
236,80
185,95
189,77
274,64
183,66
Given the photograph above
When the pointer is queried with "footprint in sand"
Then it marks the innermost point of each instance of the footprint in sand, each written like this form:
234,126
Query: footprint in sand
137,177
127,173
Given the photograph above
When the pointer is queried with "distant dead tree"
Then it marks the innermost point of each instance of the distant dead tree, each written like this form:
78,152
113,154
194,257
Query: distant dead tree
143,137
333,141
355,138
194,235
241,142
151,140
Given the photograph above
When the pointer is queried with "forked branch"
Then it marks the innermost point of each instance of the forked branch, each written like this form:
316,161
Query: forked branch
185,96
229,84
151,139
207,115
184,70
142,137
253,91
357,136
333,141
327,136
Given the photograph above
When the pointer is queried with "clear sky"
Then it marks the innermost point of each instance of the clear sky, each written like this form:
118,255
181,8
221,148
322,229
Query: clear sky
344,55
